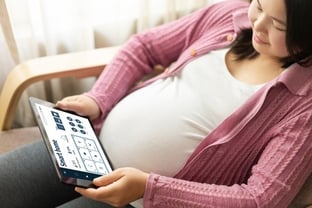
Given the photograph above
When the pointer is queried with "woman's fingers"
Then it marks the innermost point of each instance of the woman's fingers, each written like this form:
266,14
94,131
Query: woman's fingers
80,104
118,188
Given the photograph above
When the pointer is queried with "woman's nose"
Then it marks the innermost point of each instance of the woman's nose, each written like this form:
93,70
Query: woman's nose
261,23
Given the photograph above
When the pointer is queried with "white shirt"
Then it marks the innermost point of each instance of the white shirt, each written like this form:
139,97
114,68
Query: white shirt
156,128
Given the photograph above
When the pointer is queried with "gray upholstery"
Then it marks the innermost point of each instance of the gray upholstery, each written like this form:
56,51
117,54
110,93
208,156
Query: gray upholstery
14,138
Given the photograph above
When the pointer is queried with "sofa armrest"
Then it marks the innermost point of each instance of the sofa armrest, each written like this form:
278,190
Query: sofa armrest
79,64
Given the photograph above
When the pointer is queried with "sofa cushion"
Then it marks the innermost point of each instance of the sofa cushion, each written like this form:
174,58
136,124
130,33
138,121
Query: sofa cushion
14,138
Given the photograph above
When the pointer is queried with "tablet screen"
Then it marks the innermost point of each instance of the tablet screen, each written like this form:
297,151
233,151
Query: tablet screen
71,141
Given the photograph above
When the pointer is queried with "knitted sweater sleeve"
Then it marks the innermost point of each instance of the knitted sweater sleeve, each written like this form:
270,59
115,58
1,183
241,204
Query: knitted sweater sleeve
160,45
282,168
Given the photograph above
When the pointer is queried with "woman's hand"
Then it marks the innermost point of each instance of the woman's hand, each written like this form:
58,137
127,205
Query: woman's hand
80,104
118,188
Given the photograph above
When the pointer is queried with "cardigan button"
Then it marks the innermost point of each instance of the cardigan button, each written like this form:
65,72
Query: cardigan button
193,52
230,37
167,70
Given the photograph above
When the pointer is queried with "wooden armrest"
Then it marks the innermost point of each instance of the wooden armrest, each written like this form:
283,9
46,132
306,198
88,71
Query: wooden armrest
79,64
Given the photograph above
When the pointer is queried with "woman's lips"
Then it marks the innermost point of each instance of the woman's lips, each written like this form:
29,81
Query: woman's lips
258,40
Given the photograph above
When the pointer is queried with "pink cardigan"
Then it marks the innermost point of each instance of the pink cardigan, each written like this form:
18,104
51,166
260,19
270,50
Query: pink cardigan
260,156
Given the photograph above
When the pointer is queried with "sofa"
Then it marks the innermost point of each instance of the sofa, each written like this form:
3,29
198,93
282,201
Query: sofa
78,65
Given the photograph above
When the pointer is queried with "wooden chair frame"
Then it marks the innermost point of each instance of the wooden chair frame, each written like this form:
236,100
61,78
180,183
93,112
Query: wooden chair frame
79,64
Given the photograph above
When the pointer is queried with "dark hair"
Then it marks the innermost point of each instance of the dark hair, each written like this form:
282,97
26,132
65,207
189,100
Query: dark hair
298,36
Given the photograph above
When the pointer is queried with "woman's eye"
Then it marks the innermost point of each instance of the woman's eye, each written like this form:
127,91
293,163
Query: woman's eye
279,27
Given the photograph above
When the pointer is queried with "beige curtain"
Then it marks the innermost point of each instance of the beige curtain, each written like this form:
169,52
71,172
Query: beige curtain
34,28
8,49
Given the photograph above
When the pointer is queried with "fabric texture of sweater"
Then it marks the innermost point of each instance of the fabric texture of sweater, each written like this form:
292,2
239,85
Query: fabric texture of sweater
260,156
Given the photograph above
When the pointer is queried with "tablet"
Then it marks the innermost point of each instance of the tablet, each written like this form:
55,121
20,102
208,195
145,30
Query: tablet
72,144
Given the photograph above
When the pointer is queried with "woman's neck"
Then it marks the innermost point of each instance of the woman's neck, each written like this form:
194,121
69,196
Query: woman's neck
253,71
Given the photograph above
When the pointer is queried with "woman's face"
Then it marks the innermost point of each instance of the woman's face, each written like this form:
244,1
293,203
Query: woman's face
268,19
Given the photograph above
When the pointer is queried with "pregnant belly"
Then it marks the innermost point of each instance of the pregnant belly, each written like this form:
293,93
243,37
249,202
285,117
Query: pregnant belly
148,130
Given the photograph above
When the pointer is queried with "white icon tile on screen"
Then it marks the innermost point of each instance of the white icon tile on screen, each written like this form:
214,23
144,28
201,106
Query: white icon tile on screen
101,168
96,156
80,141
85,154
90,165
90,144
